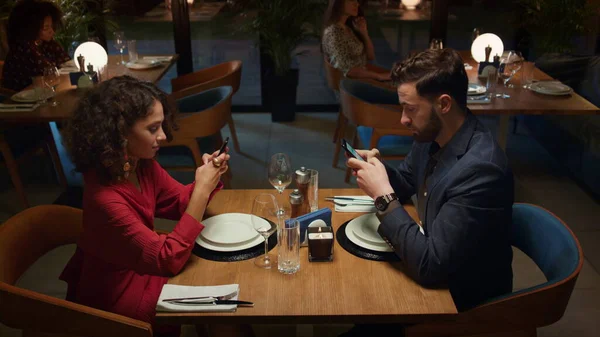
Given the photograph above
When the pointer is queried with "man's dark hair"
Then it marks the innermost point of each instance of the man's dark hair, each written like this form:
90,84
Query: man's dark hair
95,135
26,20
435,72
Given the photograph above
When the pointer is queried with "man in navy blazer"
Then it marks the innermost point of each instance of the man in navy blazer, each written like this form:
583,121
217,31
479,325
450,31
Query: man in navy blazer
462,181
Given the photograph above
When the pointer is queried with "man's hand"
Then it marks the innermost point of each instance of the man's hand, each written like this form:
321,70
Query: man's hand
371,175
368,154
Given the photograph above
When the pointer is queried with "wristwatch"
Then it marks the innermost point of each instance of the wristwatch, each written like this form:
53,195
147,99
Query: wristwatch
382,202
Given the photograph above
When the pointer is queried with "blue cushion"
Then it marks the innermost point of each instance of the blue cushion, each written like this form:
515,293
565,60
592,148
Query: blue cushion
387,145
369,93
547,241
203,100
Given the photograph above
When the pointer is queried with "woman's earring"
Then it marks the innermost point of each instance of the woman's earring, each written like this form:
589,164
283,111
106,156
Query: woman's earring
126,166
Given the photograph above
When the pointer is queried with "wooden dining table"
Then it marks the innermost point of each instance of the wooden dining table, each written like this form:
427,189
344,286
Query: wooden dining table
349,289
521,101
68,95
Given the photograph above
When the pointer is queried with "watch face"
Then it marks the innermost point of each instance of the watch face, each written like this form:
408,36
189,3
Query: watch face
380,204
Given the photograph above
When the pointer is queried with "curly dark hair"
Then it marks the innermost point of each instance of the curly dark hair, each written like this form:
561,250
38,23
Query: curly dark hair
435,72
95,135
26,20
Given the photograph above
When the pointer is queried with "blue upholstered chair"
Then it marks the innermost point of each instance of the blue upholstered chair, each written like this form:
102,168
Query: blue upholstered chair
376,113
223,74
200,115
553,247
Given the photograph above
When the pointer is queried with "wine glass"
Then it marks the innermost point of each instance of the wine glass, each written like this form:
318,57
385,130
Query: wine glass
120,43
52,80
264,208
280,172
509,66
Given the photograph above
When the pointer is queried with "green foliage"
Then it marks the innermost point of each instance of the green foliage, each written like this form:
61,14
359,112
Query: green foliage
282,26
79,24
554,23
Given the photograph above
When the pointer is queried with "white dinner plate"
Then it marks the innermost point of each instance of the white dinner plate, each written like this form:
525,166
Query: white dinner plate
351,227
230,228
475,89
259,240
27,96
366,229
141,64
551,88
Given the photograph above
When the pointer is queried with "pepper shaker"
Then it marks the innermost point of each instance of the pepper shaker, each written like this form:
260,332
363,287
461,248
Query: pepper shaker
302,181
296,203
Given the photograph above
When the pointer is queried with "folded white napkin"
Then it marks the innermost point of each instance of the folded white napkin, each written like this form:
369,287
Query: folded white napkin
355,207
159,58
68,70
18,107
177,291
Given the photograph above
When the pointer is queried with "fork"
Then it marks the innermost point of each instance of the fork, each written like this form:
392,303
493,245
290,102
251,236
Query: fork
353,203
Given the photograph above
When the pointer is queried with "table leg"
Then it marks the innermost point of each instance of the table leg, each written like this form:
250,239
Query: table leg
502,133
53,151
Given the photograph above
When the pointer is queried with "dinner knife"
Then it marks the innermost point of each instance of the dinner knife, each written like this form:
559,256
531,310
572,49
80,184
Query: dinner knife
217,302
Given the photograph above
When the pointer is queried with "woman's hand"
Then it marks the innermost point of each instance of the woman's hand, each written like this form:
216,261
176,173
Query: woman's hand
208,175
360,24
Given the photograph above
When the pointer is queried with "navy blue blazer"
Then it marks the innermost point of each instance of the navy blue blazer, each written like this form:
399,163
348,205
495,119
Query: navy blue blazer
464,243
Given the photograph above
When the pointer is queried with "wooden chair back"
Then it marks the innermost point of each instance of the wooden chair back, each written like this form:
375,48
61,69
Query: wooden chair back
223,74
203,114
24,238
364,105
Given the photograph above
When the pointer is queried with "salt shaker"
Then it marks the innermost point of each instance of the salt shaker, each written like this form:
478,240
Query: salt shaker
296,203
302,181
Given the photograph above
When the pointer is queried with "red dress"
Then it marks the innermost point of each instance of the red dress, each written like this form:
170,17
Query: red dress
121,264
29,59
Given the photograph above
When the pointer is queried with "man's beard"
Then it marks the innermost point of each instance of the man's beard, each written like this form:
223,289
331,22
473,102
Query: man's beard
431,130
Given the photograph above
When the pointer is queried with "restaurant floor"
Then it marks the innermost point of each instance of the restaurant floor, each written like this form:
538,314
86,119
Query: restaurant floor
538,179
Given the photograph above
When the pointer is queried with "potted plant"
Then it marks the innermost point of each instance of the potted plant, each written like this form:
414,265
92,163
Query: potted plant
280,26
555,24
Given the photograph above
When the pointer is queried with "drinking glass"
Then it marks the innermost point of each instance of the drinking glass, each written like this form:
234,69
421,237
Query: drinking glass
509,66
132,50
288,243
280,172
120,43
527,74
264,208
52,80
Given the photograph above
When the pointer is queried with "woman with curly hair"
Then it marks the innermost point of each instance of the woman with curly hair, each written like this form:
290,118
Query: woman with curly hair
121,263
32,48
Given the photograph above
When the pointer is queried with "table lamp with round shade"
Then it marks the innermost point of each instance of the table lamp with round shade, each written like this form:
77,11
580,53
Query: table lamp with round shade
94,54
482,42
411,4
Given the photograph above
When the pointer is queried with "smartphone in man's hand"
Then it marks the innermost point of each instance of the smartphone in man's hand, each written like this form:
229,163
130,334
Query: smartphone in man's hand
350,150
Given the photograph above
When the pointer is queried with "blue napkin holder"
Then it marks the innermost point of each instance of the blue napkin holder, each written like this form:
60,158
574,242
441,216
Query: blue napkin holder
305,220
74,77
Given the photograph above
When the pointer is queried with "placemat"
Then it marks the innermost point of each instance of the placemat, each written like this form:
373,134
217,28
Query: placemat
359,251
239,255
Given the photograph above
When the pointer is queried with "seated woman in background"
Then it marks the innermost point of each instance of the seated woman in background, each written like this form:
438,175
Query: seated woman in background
346,42
32,48
121,263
